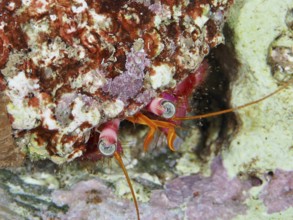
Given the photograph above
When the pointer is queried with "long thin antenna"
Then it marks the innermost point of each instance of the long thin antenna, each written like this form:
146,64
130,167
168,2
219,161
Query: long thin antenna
232,109
120,161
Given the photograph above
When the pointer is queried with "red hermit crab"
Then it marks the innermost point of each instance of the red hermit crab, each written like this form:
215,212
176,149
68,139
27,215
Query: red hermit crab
73,69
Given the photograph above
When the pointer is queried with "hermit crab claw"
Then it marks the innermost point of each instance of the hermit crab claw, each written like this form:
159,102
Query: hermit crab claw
162,107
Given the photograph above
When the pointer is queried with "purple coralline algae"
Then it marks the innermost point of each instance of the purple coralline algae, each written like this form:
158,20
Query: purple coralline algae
277,194
128,84
196,197
205,198
92,200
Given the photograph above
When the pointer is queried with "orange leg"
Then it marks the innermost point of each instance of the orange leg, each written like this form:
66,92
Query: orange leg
154,125
142,119
171,136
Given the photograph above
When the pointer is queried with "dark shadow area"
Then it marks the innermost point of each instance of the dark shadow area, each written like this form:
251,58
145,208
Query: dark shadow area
214,95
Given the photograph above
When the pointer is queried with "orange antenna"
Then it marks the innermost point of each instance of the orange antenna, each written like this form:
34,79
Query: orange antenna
233,109
120,161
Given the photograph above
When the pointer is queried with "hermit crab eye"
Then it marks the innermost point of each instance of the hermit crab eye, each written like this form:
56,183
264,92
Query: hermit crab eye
169,109
106,148
162,107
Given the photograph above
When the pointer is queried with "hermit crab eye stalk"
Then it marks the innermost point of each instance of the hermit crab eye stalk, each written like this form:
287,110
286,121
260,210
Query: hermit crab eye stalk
108,138
169,109
106,148
162,107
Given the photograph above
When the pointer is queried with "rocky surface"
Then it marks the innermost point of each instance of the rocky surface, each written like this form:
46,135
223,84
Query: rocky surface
264,141
69,67
251,179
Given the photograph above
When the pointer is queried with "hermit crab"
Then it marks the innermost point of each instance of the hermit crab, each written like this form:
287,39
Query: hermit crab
73,70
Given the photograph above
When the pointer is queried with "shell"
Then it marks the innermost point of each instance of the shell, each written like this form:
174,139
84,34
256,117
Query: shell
71,66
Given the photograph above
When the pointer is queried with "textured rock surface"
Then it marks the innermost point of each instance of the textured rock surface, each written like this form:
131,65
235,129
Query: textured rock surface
254,181
264,140
71,66
193,197
263,143
278,192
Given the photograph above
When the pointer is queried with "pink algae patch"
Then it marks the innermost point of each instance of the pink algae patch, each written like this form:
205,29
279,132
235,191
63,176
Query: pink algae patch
277,194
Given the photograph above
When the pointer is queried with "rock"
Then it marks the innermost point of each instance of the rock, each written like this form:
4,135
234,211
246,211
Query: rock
264,139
